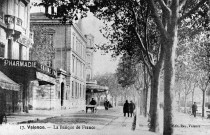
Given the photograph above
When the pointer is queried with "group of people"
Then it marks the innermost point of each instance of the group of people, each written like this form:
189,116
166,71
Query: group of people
128,108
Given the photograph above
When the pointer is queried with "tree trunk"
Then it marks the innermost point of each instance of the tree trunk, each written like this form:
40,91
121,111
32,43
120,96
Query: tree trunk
179,105
169,79
145,102
193,96
145,92
154,109
185,103
203,104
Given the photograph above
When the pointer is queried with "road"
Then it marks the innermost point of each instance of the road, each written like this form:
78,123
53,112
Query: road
103,122
111,122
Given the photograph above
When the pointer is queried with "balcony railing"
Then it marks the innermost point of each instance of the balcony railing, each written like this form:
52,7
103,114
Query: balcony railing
10,19
19,22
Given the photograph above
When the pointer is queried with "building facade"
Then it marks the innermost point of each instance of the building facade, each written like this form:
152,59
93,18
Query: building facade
70,58
15,41
19,73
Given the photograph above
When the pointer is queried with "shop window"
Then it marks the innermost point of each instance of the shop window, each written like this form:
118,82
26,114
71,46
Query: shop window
2,49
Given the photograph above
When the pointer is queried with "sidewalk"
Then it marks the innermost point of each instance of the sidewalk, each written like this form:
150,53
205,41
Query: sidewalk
123,126
36,115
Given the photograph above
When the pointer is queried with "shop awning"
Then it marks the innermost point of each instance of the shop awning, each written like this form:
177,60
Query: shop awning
23,71
7,83
95,88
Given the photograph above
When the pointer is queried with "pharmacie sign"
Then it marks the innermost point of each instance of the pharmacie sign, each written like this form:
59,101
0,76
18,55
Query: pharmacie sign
27,64
20,63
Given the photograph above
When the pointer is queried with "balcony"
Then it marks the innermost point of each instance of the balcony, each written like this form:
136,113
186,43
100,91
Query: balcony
14,23
2,23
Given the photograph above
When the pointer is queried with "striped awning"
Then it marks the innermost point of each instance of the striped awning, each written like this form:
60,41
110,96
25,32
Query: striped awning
7,83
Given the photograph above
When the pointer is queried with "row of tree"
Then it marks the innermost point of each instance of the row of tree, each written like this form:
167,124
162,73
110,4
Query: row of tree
147,33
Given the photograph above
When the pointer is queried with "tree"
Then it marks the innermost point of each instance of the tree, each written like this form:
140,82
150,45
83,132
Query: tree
109,80
168,27
202,63
185,68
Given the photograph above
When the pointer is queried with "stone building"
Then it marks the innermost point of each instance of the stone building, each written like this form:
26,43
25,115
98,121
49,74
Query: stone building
70,59
18,73
15,41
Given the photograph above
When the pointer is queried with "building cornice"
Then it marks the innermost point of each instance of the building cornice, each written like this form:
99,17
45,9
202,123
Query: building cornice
80,33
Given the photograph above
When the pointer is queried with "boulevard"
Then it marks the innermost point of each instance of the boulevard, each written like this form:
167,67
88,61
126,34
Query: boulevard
103,122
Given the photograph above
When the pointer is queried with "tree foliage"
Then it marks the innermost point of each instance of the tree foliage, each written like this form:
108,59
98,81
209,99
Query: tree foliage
126,71
109,80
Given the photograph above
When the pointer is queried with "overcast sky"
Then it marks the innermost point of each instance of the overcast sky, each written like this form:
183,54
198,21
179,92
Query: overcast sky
102,62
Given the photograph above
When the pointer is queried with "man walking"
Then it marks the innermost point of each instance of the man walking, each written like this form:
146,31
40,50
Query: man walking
194,109
126,108
132,107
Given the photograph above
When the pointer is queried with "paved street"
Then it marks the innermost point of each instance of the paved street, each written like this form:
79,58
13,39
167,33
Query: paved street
103,122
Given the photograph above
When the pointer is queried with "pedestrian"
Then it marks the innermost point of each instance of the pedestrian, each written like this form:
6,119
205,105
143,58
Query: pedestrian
194,109
93,102
126,108
106,104
132,107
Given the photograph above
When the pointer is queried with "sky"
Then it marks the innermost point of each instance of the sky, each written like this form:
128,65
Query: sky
103,63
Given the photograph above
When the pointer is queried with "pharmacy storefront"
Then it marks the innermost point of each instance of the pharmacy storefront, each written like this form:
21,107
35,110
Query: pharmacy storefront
24,73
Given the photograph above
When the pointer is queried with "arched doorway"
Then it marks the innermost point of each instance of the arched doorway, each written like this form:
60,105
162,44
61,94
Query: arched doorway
62,93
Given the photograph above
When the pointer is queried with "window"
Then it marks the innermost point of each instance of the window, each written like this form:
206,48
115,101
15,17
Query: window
73,63
76,89
73,42
2,48
22,12
84,90
80,90
72,89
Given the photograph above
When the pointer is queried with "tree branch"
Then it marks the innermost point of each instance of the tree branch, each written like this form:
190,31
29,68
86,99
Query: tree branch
164,6
191,11
142,46
182,4
157,18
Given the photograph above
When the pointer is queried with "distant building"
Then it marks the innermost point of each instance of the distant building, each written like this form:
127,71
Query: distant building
70,58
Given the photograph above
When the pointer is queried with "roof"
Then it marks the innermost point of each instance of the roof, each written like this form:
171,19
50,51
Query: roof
38,15
7,83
